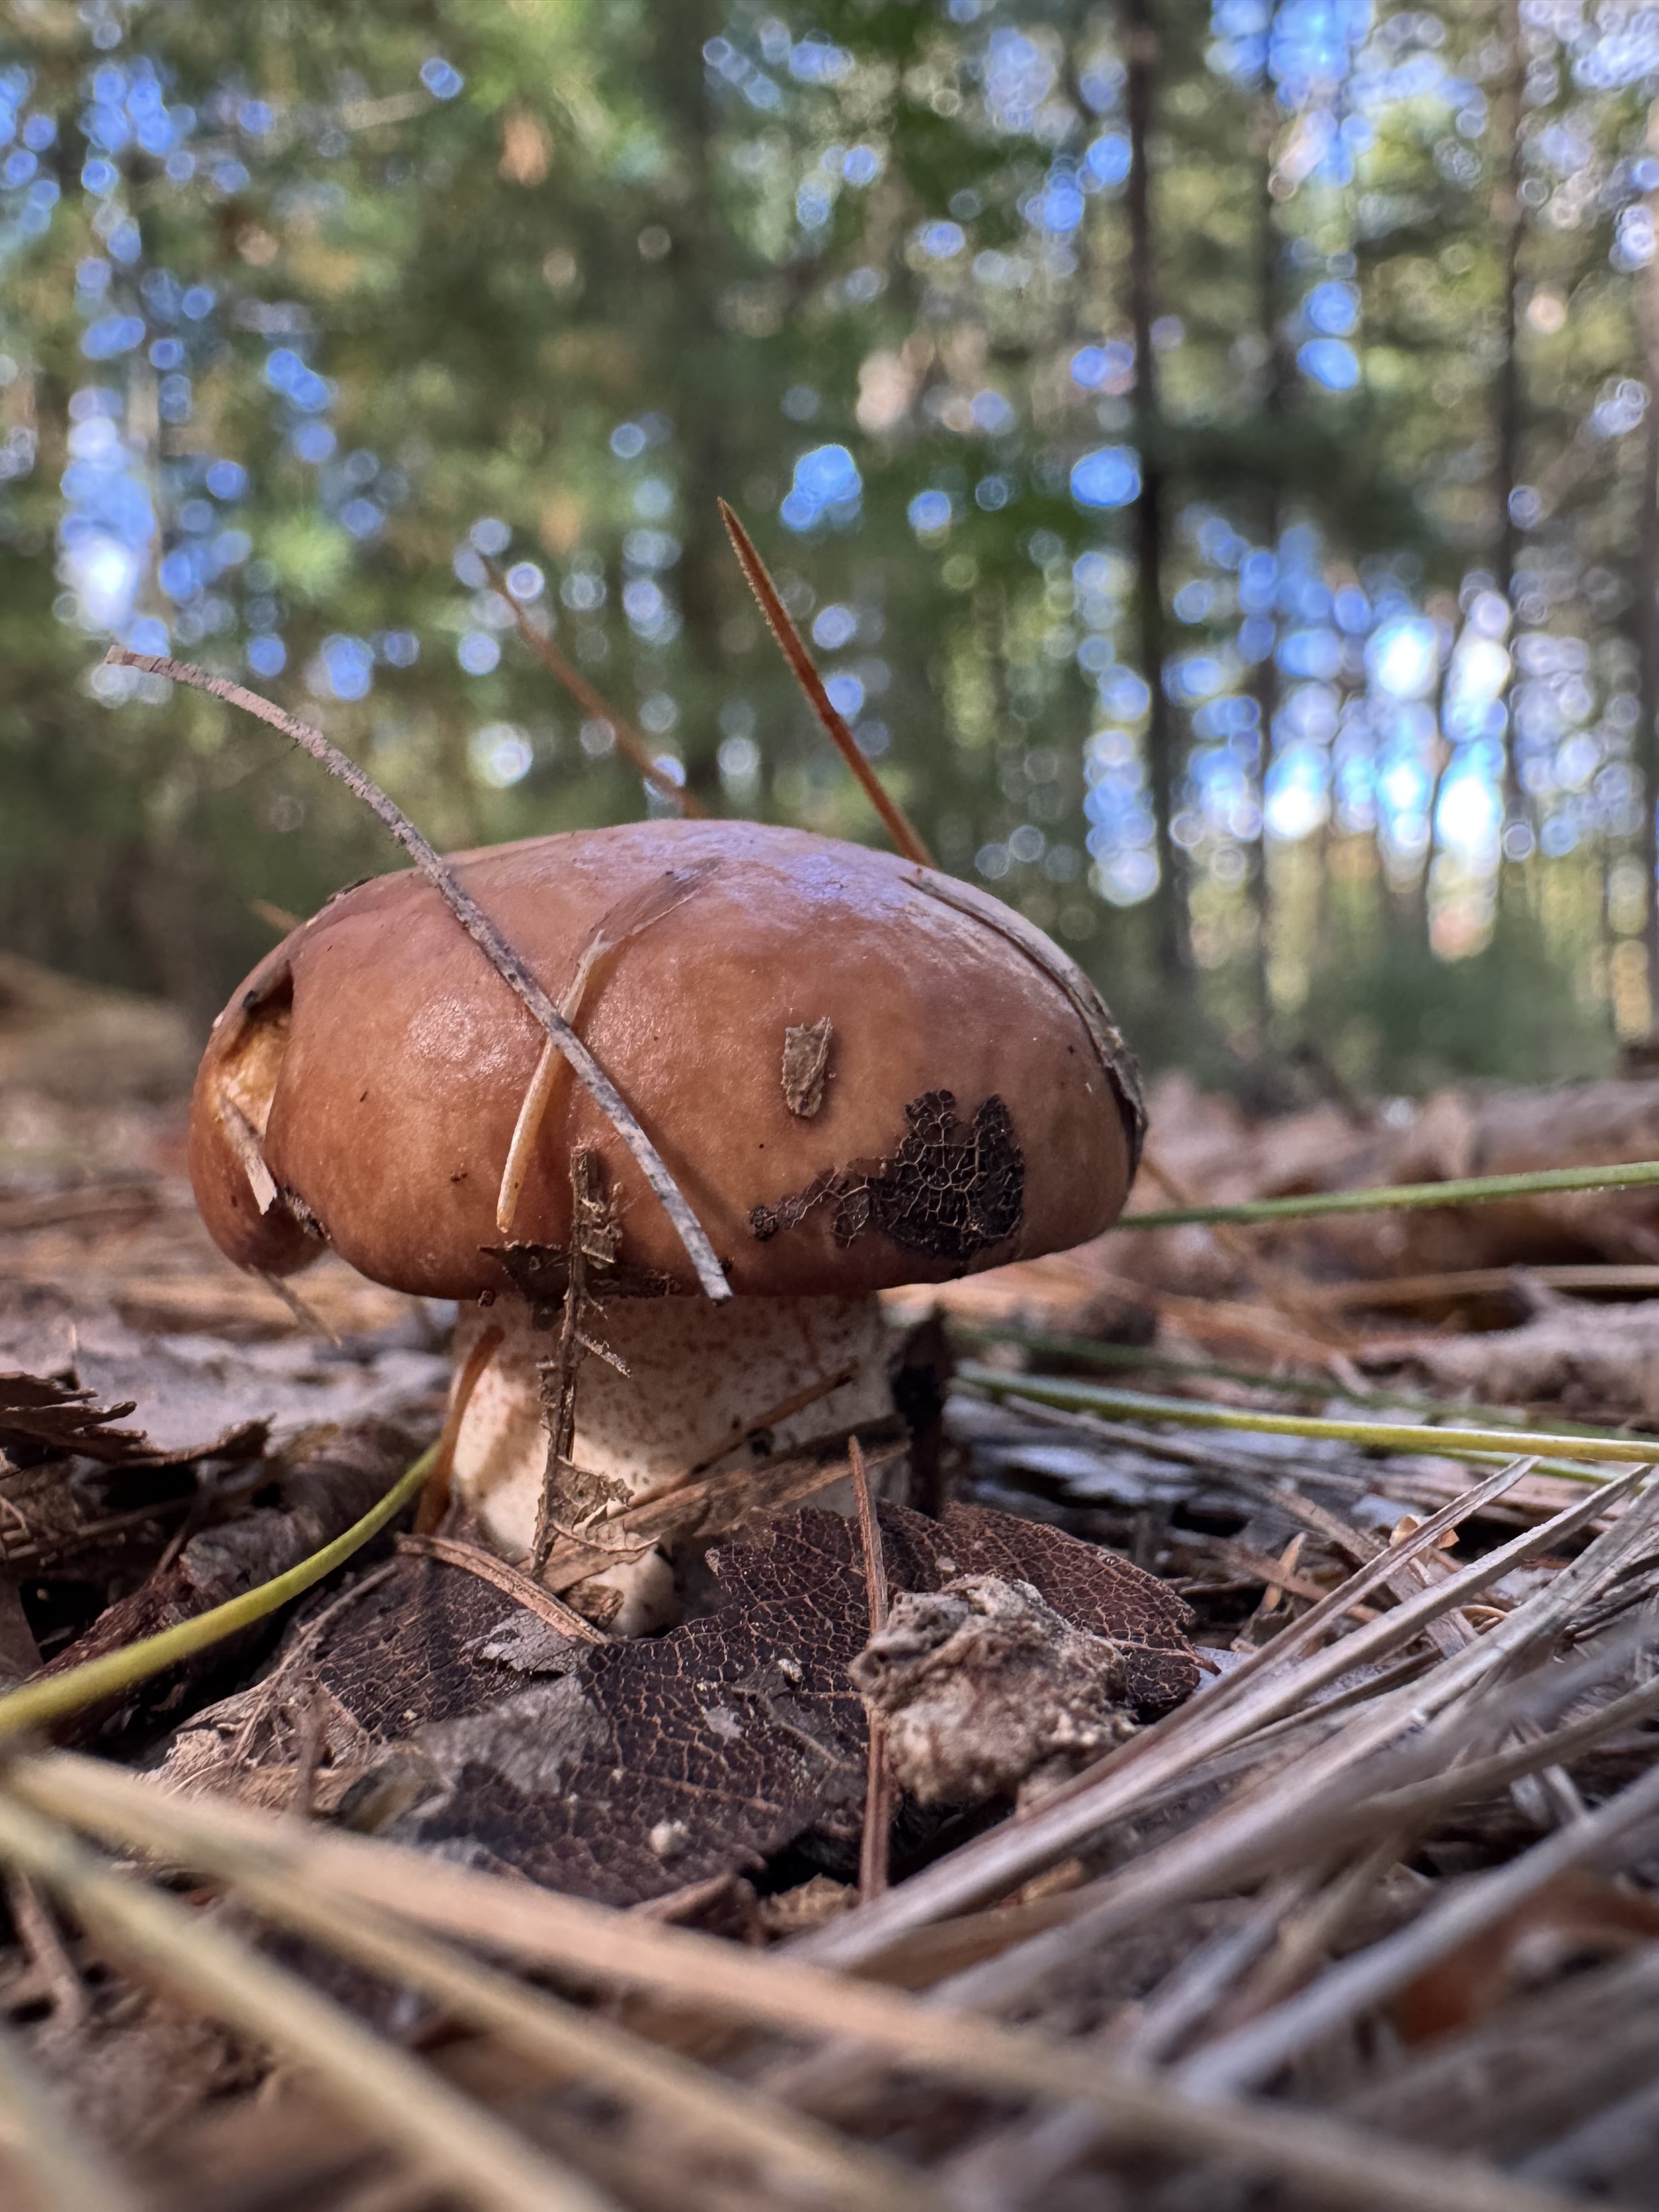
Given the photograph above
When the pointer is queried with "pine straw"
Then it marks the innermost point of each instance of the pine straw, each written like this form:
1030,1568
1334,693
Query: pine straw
1288,1790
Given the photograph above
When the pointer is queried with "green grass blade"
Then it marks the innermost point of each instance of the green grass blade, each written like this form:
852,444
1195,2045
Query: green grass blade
1089,1350
54,1697
1580,1457
1471,1190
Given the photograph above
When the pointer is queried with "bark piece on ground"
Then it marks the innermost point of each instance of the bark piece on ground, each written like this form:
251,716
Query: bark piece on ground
982,1688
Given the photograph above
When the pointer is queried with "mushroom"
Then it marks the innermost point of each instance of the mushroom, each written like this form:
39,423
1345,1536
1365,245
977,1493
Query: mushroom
860,1072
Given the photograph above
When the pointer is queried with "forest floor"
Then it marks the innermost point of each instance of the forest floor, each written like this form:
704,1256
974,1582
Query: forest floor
420,1897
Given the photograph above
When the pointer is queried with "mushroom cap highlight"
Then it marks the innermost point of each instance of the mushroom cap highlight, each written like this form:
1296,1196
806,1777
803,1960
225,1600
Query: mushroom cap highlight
860,1072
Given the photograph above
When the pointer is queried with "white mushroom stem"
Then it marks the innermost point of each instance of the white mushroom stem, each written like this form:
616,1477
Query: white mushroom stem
700,1378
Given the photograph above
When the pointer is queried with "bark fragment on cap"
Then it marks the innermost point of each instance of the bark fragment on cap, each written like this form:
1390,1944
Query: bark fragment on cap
805,1065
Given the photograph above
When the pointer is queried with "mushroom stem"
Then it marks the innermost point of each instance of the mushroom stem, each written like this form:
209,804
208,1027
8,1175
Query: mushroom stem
704,1386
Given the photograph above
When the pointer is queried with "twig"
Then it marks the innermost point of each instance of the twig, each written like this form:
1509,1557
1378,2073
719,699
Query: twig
507,963
878,1780
587,1221
875,1559
487,1568
628,740
571,1935
1469,1190
463,2149
301,1309
60,2169
897,823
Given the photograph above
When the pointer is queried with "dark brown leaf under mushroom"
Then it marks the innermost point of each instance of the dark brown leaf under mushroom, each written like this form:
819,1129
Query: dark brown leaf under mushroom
621,1773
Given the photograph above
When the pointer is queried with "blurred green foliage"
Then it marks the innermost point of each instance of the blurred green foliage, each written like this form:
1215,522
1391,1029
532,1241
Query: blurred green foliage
559,273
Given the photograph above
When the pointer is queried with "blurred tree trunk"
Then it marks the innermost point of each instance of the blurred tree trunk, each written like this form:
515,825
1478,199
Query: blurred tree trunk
1141,50
1508,211
689,279
1265,684
1647,606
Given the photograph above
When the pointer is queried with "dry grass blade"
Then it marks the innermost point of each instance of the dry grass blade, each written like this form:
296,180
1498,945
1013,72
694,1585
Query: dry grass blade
1304,1303
1253,2053
702,1973
628,740
48,1698
542,2028
894,820
458,2146
484,934
58,2170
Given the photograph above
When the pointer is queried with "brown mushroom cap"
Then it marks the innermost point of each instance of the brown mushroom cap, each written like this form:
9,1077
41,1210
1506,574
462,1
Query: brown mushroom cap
975,1105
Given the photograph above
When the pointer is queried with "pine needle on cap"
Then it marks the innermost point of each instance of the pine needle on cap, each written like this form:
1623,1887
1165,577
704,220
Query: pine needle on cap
898,824
507,963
